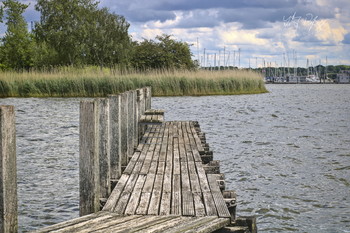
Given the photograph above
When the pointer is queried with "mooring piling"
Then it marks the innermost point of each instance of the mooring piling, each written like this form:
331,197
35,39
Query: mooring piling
8,171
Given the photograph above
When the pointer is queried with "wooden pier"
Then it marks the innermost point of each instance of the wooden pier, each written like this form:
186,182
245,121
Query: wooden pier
139,173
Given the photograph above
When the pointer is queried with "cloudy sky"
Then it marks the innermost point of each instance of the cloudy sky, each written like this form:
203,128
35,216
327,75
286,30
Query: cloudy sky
243,32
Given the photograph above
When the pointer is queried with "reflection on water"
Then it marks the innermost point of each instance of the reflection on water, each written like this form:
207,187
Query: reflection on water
286,153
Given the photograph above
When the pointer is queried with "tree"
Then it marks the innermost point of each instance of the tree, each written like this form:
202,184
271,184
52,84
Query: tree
64,26
17,44
109,41
82,34
164,53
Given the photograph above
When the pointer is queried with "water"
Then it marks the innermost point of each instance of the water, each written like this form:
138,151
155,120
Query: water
286,153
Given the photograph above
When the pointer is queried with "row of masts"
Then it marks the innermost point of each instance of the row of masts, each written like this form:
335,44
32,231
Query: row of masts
227,59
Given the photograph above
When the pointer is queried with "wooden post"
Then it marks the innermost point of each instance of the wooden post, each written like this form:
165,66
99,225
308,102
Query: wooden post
8,171
230,199
136,120
130,139
140,111
115,137
148,95
104,148
247,221
89,161
124,129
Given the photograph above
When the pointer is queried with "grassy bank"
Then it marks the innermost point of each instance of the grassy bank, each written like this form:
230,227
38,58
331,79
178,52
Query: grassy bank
93,82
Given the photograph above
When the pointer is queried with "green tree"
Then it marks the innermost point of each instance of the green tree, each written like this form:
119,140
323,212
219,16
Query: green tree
64,26
109,41
82,34
17,44
164,53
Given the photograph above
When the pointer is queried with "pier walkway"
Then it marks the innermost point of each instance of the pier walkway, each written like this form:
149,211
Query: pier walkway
165,176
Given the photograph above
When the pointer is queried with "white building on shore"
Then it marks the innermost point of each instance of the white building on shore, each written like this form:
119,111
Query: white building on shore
343,76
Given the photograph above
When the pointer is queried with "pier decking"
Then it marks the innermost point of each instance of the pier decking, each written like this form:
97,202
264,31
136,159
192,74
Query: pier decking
165,176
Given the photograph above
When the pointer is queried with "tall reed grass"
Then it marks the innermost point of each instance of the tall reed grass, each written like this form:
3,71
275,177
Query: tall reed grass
94,82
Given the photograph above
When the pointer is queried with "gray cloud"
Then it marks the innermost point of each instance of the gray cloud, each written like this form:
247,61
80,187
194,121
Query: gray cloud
227,4
197,19
251,14
346,39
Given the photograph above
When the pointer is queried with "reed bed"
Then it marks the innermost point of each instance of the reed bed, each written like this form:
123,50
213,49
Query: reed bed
94,82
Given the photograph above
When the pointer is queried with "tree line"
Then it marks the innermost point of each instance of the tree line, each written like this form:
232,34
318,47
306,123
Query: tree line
79,33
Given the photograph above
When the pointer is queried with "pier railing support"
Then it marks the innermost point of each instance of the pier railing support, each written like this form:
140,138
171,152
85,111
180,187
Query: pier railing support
104,149
109,134
8,171
115,138
89,182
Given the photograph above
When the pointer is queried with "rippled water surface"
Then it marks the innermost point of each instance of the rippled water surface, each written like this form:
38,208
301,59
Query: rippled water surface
286,153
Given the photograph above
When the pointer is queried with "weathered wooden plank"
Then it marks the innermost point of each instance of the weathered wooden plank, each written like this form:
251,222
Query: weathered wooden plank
164,146
197,149
124,197
72,222
149,183
144,202
89,178
196,138
210,226
131,125
187,203
152,150
161,167
199,208
124,118
181,144
79,227
136,120
153,167
104,148
165,204
209,204
221,206
114,197
185,179
126,226
192,224
8,172
176,156
115,136
203,180
217,196
146,194
141,160
153,208
149,222
163,227
148,97
212,180
176,202
207,197
135,196
185,136
128,170
106,226
195,185
149,134
154,112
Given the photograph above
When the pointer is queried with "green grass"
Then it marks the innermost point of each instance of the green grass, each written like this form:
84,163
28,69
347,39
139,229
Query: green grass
93,82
